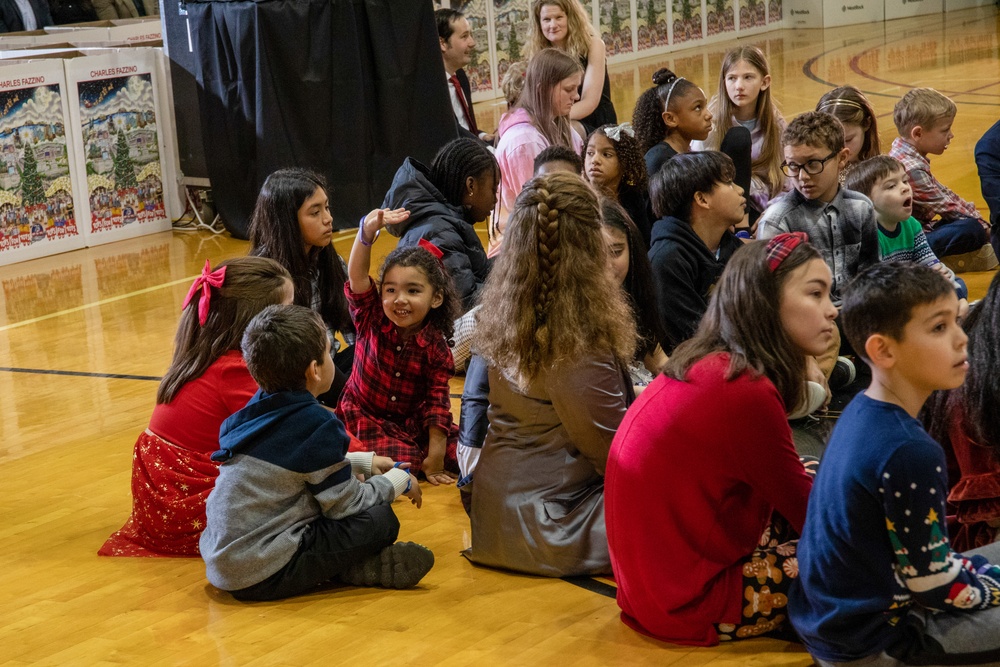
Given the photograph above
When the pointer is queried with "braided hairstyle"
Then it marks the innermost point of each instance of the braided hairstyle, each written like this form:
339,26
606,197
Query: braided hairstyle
443,317
457,161
548,300
647,119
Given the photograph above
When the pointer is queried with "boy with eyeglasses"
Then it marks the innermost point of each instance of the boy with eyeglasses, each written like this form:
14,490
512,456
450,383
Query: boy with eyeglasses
840,223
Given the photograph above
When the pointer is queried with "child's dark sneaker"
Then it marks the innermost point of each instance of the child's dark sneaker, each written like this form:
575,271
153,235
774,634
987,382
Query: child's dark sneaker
843,374
399,565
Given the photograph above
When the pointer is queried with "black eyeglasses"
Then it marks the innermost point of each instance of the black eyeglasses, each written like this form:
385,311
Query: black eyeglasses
812,167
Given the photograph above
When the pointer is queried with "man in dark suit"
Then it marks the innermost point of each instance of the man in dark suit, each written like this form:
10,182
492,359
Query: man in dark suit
457,45
19,15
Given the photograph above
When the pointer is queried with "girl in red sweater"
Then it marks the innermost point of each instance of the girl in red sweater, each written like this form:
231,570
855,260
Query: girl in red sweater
703,463
172,473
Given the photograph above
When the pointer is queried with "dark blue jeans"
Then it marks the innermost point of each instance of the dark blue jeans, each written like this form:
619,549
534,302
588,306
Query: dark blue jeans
988,164
957,237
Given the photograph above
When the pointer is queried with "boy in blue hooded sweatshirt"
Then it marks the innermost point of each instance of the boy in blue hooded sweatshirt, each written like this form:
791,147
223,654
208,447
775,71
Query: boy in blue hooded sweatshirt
288,512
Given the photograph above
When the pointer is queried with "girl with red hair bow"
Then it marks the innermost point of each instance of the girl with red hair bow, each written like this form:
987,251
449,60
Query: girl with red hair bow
207,381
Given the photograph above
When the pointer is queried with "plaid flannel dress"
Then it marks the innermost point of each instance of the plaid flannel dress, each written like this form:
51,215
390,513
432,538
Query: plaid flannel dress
398,387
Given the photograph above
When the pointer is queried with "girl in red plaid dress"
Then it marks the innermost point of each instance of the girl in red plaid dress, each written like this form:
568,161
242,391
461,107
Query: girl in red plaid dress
397,400
207,381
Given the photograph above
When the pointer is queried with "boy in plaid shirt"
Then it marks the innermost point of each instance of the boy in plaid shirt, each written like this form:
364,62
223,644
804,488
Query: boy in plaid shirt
397,400
953,226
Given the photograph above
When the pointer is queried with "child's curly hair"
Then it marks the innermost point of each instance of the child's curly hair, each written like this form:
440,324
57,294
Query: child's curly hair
630,160
443,317
647,118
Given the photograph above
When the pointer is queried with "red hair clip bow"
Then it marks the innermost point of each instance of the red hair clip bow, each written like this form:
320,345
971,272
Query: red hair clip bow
205,282
431,248
781,246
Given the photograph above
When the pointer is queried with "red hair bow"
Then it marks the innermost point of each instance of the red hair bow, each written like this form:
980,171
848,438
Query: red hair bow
207,280
431,248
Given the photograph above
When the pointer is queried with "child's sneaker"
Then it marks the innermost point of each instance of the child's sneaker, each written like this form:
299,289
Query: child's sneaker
399,565
814,398
843,374
983,259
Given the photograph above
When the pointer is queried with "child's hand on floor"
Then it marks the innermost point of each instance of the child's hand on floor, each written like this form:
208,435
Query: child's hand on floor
383,464
433,468
414,493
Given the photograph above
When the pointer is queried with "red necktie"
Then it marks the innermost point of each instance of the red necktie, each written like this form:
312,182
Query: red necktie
469,118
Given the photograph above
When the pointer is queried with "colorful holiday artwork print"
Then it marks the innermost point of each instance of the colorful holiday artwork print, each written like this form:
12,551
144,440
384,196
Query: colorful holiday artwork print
36,195
652,19
721,17
478,70
687,21
774,11
616,26
120,144
752,14
512,24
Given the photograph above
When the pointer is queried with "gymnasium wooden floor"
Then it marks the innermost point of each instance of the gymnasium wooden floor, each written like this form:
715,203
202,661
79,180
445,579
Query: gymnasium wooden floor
84,336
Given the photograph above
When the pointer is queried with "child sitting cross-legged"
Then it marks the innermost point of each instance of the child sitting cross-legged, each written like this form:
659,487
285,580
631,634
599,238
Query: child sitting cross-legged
900,236
397,399
878,583
288,512
923,118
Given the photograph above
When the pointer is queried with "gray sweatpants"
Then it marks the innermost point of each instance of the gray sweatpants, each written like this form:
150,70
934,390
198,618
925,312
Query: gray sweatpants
947,638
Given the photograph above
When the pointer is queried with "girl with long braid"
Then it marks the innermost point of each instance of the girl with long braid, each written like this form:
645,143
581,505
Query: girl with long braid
558,336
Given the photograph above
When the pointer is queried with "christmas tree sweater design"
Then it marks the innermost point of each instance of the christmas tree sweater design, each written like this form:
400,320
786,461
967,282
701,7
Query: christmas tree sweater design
926,568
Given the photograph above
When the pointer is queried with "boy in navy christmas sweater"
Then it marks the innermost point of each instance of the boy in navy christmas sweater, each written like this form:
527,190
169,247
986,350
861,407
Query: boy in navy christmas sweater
878,582
288,512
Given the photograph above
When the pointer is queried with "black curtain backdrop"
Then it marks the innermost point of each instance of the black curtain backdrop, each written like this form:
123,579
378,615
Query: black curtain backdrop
348,88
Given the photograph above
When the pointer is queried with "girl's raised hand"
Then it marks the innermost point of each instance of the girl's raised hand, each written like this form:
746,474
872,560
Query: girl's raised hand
380,217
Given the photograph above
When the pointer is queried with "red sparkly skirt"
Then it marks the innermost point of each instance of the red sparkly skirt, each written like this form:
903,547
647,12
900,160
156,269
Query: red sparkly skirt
169,488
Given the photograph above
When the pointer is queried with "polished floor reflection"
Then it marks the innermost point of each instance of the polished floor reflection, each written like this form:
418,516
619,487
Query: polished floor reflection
84,335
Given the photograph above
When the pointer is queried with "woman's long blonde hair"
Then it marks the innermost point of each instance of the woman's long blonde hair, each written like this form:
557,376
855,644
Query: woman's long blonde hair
767,166
579,30
549,299
545,71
